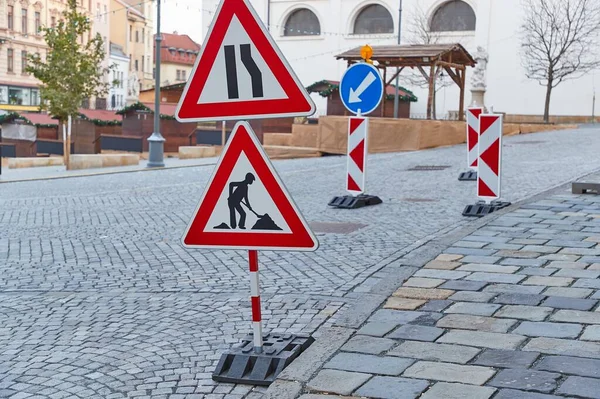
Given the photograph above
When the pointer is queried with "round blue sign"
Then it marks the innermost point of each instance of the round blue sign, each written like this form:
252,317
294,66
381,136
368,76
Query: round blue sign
361,88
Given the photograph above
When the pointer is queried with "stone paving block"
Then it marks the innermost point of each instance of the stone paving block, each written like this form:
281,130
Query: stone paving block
567,265
442,265
548,281
385,365
590,259
507,253
527,241
527,380
570,365
435,352
394,316
587,283
422,293
480,259
581,386
458,391
482,267
576,316
448,257
499,245
523,262
596,295
416,333
560,257
392,388
523,312
482,339
542,249
515,394
473,308
506,358
568,292
422,282
577,273
496,277
537,271
561,302
403,303
519,299
591,333
546,329
570,243
475,375
469,252
463,285
467,296
566,347
469,244
486,239
428,319
336,381
367,344
436,305
377,329
477,323
594,266
441,274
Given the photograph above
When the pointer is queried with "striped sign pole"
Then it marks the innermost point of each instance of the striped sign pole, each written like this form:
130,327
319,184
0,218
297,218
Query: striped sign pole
255,301
357,155
473,136
490,157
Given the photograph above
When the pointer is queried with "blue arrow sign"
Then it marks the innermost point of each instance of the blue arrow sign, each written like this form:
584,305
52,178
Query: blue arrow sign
361,88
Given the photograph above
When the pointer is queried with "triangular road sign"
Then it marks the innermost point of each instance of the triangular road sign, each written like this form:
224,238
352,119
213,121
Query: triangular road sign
240,73
245,204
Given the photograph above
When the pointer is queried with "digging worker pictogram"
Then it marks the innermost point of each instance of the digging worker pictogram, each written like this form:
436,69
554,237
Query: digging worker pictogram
238,194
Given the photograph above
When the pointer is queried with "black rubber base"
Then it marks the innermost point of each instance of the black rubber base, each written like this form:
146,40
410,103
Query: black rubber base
481,208
244,366
468,176
581,187
351,202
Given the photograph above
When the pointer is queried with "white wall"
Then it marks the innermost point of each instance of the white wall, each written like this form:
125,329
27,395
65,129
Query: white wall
119,90
498,23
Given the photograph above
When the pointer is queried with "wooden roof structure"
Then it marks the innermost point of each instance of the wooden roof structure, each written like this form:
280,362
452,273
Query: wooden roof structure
452,58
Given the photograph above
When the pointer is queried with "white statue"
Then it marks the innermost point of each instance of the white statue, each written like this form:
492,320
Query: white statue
478,81
133,86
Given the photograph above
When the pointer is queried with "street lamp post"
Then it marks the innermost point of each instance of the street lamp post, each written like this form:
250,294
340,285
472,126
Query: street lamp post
396,98
156,141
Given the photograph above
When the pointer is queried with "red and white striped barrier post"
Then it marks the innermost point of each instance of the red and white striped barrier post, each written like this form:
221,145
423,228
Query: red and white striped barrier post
473,136
255,301
489,175
357,154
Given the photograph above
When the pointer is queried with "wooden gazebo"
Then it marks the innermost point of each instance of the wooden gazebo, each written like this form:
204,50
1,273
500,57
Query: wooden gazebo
453,58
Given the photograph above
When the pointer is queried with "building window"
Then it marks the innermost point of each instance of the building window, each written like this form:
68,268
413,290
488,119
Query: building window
143,34
183,75
53,22
98,15
105,15
9,60
24,21
373,19
23,61
142,61
136,65
302,22
130,33
10,17
137,36
453,16
178,75
38,22
35,97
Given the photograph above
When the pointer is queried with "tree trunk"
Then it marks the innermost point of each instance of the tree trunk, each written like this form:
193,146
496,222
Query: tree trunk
69,143
547,105
64,128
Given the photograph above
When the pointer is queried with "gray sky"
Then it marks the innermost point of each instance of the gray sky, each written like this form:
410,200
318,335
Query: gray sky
185,17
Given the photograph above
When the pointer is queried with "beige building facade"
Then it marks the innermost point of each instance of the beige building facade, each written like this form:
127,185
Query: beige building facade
177,58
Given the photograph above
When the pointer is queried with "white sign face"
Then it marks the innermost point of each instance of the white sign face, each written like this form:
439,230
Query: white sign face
219,82
235,213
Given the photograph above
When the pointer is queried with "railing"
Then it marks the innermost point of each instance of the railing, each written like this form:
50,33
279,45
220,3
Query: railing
120,143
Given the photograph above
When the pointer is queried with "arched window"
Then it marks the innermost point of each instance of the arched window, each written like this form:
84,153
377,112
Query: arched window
453,16
302,22
373,19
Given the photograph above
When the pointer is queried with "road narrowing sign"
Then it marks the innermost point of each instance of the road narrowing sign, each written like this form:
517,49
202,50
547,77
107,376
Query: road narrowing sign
246,205
240,73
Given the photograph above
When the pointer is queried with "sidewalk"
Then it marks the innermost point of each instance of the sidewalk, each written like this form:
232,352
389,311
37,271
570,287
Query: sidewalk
59,172
508,309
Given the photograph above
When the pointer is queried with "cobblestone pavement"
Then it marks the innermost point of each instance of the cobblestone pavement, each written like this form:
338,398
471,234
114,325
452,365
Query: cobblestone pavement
98,299
510,311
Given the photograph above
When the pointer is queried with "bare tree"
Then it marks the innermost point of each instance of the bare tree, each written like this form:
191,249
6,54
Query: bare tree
559,41
419,32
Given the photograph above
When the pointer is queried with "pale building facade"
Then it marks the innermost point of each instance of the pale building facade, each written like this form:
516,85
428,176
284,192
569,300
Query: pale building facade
119,76
312,32
177,57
